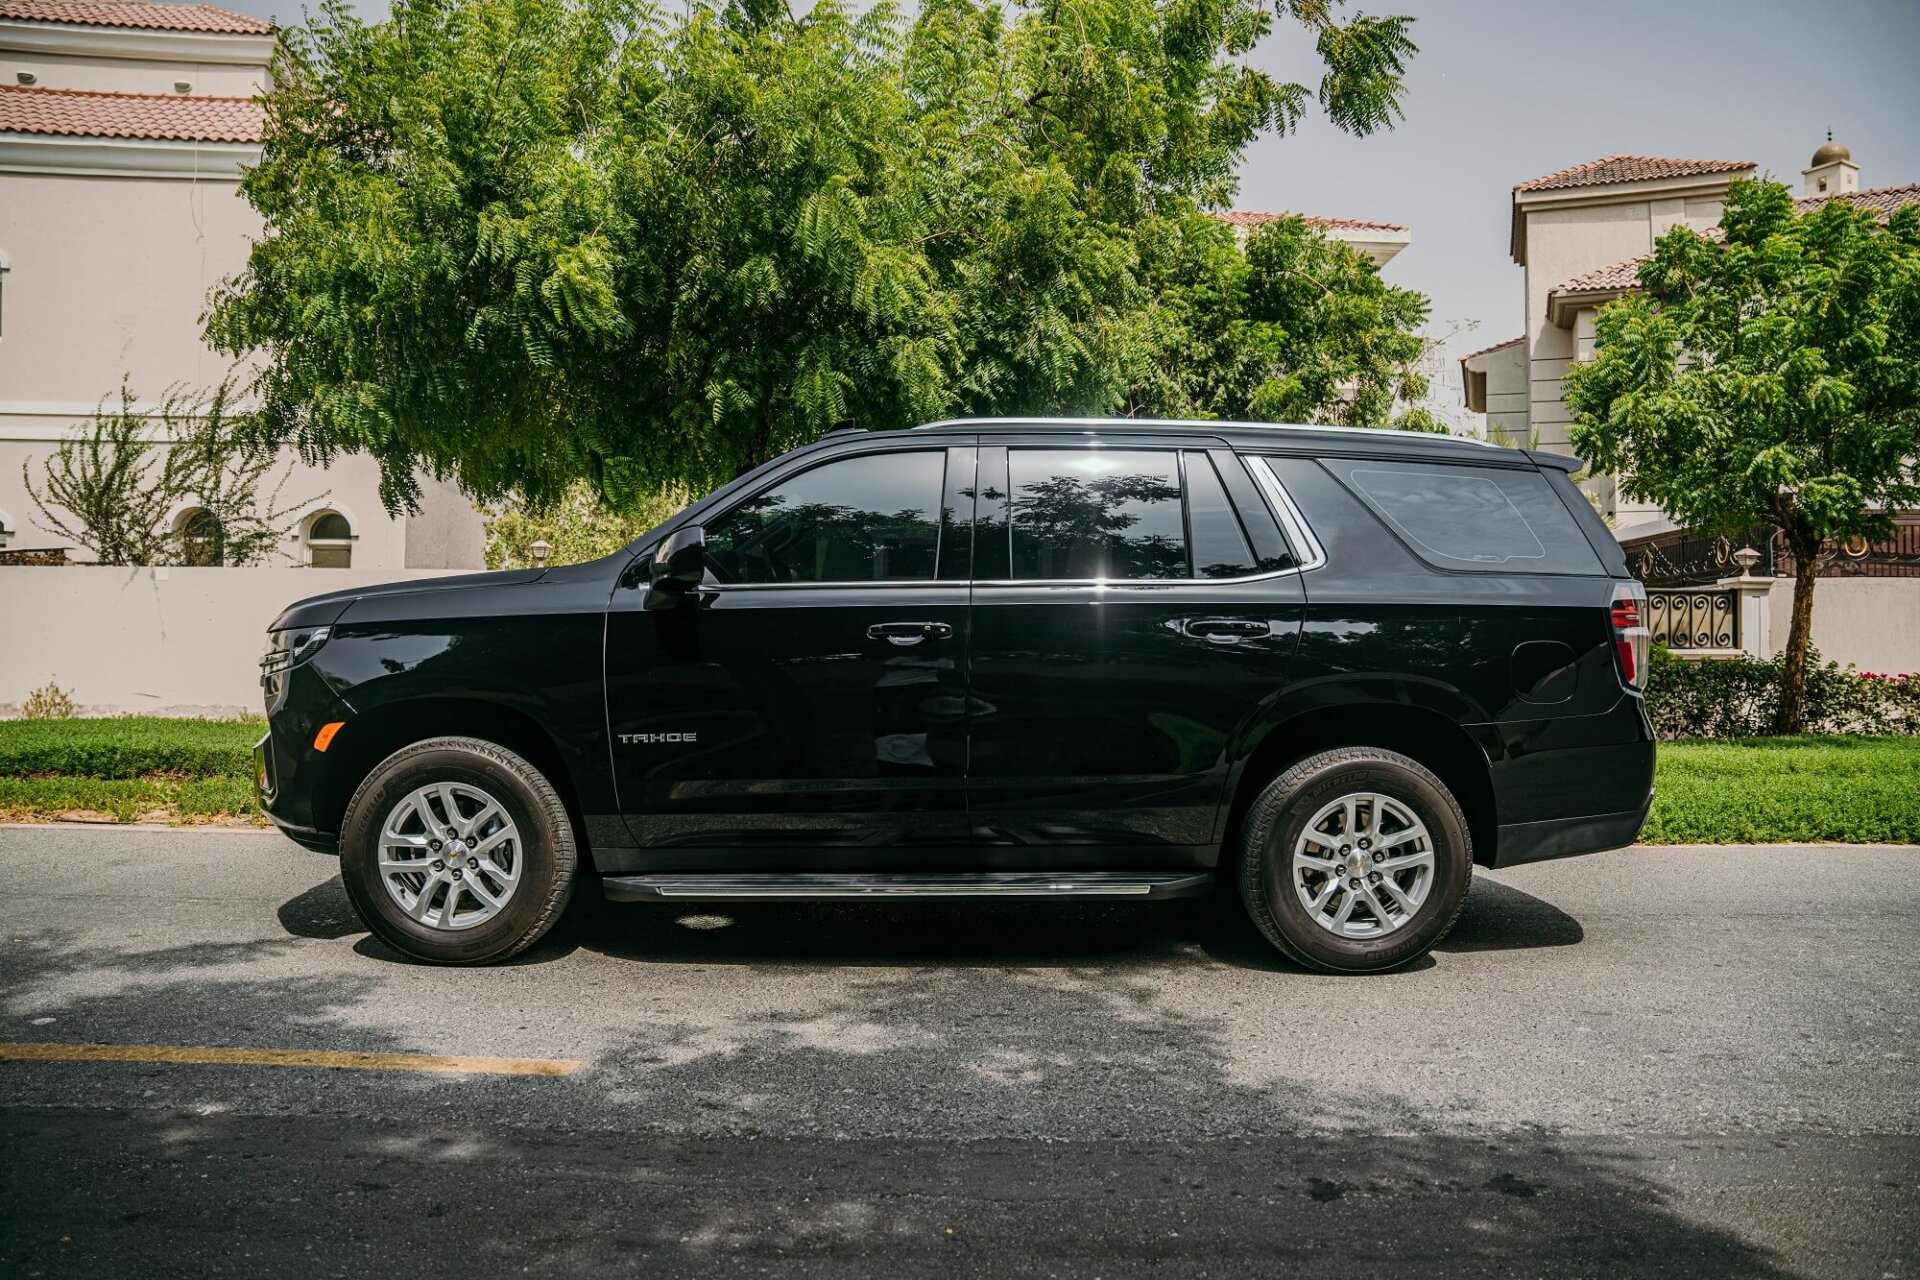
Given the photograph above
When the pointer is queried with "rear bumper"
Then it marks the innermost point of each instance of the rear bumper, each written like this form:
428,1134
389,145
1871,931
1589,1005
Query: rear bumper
1523,842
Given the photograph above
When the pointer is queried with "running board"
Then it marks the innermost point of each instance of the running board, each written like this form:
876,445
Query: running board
1001,884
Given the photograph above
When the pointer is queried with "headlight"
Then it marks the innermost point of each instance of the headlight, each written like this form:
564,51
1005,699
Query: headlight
288,649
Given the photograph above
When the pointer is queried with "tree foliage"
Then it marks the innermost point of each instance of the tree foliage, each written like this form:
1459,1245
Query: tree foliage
576,528
1770,375
525,241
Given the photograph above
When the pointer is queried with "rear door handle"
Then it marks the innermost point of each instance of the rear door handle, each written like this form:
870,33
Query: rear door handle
1224,628
906,633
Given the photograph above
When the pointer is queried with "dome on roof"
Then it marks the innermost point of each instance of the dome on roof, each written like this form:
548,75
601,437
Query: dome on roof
1830,152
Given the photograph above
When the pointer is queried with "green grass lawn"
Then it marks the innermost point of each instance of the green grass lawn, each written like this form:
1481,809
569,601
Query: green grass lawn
127,768
1751,790
1765,790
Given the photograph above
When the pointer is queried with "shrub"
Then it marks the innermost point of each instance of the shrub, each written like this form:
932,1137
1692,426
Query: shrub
128,747
48,702
1738,698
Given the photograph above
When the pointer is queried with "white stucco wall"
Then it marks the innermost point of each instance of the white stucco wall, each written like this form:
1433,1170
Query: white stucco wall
154,641
1507,400
1870,623
108,276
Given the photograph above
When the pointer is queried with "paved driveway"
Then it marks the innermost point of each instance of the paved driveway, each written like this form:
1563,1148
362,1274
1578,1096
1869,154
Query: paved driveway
1658,1061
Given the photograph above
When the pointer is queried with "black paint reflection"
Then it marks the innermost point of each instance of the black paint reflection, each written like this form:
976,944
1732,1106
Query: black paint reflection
1097,514
867,519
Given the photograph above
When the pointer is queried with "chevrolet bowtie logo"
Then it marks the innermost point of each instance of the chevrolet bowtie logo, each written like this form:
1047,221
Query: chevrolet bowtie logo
649,738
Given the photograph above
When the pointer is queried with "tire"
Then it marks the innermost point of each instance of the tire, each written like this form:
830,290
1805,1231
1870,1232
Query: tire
522,854
1294,827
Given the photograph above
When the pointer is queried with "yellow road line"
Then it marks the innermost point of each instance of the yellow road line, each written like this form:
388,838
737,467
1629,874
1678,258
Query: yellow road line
207,1055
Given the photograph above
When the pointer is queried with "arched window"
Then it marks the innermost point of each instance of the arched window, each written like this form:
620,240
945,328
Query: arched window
200,542
330,541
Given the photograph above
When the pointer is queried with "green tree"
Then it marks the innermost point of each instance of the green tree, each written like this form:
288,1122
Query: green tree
1767,376
1295,327
111,485
576,528
524,241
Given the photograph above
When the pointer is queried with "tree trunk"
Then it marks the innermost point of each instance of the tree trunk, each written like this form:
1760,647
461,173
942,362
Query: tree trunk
1791,716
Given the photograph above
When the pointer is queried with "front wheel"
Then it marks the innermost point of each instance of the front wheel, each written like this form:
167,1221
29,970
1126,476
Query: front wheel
457,851
1356,860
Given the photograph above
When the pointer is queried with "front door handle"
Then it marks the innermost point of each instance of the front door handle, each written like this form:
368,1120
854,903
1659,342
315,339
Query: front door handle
906,633
1224,628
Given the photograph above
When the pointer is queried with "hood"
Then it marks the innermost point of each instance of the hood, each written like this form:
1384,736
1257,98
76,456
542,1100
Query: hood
323,610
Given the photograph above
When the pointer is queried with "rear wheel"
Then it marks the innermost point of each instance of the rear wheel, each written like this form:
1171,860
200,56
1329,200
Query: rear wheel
457,851
1355,860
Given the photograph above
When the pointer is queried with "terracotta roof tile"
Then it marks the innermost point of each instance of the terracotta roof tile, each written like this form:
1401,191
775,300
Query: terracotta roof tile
1613,169
136,13
1879,199
1252,218
1626,275
86,114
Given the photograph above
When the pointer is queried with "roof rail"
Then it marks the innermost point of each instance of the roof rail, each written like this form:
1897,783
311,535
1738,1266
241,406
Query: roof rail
1215,424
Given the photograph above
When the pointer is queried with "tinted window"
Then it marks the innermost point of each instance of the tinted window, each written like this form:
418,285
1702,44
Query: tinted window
1220,547
1483,518
1096,513
868,519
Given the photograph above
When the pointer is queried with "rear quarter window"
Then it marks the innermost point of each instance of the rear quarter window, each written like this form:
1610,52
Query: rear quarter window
1476,519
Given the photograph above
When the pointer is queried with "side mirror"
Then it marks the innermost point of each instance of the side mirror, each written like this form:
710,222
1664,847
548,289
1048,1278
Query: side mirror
679,565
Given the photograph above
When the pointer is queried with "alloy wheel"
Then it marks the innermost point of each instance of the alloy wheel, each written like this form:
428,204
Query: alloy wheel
1363,866
450,855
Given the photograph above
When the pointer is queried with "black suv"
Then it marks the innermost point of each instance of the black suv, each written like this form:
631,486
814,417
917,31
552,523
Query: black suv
1334,668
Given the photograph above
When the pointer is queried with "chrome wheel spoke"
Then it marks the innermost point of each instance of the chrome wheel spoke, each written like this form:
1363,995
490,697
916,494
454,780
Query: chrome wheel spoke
1387,922
475,886
1422,859
482,820
1393,891
423,900
1320,838
1320,900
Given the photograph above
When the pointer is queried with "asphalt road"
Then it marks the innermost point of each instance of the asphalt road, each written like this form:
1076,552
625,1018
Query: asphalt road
1659,1061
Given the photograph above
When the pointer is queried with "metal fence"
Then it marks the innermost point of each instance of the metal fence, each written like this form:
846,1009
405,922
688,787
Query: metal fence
1683,558
1694,619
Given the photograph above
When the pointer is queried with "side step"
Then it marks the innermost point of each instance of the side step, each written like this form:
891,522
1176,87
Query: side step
682,887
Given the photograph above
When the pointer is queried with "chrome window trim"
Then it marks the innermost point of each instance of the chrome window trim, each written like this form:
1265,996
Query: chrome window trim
1312,555
1300,540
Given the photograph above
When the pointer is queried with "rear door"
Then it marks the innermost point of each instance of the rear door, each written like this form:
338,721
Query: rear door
1134,604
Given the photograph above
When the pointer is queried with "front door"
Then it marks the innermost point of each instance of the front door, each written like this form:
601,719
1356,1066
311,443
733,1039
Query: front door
1133,609
805,710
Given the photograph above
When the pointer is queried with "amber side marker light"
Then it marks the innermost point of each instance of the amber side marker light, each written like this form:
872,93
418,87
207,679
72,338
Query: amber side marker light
323,739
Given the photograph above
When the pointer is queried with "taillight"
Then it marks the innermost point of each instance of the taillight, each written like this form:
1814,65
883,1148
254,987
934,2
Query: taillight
1631,639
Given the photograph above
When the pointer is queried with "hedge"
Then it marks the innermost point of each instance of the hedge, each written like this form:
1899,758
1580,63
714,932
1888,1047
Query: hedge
1737,698
128,747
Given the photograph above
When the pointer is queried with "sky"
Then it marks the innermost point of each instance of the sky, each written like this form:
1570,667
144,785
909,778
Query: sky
1506,90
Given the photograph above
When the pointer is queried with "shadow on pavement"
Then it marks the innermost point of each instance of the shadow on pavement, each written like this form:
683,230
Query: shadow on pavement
1497,917
1063,1112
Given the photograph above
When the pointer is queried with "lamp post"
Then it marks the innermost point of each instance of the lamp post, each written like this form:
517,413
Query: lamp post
541,549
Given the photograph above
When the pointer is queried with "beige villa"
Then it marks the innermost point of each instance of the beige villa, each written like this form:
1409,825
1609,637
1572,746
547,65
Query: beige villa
1580,236
124,128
